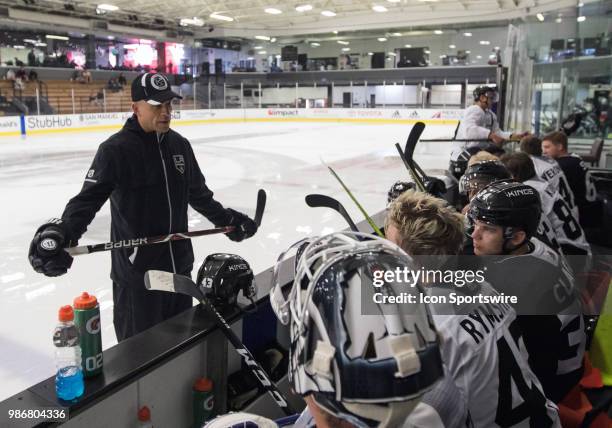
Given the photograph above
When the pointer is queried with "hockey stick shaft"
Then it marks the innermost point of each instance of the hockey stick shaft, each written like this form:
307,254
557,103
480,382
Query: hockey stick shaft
170,282
417,180
363,211
139,242
324,201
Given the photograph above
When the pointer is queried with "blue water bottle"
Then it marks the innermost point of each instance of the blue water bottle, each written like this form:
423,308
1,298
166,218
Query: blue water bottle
69,383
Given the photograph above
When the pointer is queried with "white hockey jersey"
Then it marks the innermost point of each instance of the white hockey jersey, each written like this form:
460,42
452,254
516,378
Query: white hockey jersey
476,124
550,171
489,382
567,230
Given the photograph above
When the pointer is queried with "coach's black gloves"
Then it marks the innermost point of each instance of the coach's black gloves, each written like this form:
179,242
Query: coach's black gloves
46,253
245,227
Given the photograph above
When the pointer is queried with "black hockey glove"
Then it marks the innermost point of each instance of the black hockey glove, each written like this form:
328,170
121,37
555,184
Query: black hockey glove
245,227
46,253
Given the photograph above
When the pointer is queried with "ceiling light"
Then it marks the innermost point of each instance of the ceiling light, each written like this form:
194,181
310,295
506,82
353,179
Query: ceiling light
315,44
580,4
19,46
250,58
335,32
468,34
328,13
262,52
428,1
342,42
273,11
468,52
262,38
485,42
581,18
191,21
278,56
438,32
452,46
382,39
370,53
258,47
303,8
52,36
273,39
41,44
407,46
396,34
346,49
393,1
378,8
427,51
540,17
478,56
107,7
392,54
496,48
442,56
221,17
558,20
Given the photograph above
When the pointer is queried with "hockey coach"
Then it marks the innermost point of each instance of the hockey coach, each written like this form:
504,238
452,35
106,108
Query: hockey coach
151,175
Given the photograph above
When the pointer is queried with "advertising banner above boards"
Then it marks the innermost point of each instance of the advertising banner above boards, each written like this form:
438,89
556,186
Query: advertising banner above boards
88,122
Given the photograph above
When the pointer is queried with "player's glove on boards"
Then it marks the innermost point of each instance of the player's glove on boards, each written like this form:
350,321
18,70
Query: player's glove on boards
46,253
245,227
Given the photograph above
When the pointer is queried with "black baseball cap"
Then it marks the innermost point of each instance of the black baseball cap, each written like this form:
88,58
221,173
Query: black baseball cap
154,88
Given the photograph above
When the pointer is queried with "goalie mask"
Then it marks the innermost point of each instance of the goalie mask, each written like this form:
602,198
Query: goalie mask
222,276
369,370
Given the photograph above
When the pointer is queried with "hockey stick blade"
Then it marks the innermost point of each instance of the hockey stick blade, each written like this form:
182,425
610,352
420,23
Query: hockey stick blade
413,139
317,201
170,282
139,242
261,205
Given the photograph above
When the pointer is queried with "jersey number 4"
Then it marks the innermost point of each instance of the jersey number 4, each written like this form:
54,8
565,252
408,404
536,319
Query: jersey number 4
533,406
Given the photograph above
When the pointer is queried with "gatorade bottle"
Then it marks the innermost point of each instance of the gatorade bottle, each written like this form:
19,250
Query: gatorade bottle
203,401
144,418
87,320
69,379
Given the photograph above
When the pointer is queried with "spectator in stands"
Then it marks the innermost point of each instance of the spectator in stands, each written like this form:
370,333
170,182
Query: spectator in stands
121,79
113,85
22,74
31,58
33,76
10,74
86,74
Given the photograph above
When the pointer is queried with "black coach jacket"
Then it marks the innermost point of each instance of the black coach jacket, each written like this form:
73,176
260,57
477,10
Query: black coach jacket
150,182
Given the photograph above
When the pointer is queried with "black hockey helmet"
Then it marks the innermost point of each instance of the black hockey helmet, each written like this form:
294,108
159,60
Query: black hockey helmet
221,276
481,174
458,166
484,90
397,189
508,204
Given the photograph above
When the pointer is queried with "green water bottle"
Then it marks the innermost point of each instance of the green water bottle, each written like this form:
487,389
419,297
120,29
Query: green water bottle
203,401
87,320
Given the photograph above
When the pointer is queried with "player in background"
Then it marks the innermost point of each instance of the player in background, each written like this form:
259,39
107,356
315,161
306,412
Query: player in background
355,370
479,347
567,230
480,123
503,220
554,145
549,170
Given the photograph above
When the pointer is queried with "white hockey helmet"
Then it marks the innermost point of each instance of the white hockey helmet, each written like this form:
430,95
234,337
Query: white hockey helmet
370,370
240,420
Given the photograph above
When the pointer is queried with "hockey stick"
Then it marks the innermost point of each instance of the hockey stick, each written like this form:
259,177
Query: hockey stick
363,211
317,201
450,140
138,242
174,283
407,154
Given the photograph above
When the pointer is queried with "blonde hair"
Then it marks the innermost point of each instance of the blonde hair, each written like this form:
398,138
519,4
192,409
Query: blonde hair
427,225
481,156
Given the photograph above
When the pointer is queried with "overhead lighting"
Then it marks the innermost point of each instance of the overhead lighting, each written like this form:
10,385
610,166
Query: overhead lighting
393,1
346,49
452,46
273,11
40,44
277,56
250,58
52,36
467,34
258,47
540,17
396,34
221,17
580,4
442,56
581,18
30,41
407,46
196,22
370,53
328,13
273,39
108,7
19,46
262,38
478,56
496,48
485,42
262,52
559,20
468,52
335,32
382,39
392,54
315,44
342,42
378,8
438,32
303,8
428,1
427,51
